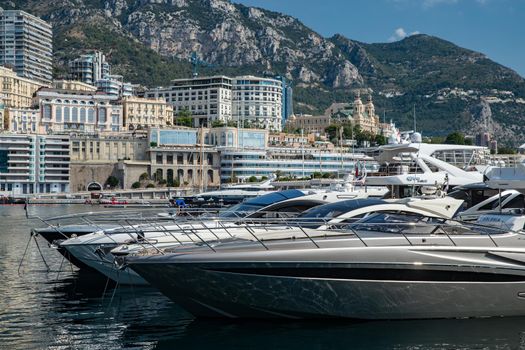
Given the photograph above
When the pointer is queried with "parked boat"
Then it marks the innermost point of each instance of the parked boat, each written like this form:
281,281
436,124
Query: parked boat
94,249
386,266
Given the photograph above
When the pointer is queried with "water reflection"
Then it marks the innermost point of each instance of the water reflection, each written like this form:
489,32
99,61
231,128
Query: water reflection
73,309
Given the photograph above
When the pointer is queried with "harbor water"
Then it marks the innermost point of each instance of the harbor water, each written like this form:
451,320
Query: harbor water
46,303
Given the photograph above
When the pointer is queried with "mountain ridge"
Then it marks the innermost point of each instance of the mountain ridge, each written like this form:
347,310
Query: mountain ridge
149,42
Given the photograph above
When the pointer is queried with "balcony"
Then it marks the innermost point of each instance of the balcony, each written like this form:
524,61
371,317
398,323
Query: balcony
17,161
54,161
66,155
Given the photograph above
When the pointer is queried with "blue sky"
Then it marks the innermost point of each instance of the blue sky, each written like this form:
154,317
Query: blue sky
493,27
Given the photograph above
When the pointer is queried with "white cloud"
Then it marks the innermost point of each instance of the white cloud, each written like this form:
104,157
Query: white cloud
400,33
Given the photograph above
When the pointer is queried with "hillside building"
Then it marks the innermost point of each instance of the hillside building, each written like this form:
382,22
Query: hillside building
89,68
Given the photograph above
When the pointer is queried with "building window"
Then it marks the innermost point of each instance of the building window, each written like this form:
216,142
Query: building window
102,116
74,114
67,117
59,114
158,158
91,115
47,112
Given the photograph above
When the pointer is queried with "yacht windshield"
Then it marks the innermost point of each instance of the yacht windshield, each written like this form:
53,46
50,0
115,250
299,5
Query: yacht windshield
319,214
252,205
333,210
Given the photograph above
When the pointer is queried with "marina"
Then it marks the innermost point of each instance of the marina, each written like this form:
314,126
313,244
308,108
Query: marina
217,174
71,310
430,236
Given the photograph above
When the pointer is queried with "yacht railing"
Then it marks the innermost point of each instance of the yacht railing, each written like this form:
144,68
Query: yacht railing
408,231
209,229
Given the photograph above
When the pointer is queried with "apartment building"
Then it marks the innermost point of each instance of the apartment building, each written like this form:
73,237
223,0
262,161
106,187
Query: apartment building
114,85
34,163
17,91
89,68
26,44
139,112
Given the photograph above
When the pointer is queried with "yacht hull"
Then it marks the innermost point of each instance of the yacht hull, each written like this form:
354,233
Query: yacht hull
99,258
206,292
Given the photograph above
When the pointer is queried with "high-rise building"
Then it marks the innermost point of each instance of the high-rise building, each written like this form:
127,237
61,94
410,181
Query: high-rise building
89,68
257,102
26,45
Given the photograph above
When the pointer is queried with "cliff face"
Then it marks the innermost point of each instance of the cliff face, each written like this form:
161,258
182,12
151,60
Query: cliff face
149,42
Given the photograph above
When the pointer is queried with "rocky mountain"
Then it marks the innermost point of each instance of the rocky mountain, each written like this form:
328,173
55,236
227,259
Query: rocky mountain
149,42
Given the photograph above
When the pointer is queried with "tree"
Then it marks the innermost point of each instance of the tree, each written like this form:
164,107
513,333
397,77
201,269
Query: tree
506,150
380,140
135,185
217,124
144,177
112,181
184,118
150,185
252,179
455,138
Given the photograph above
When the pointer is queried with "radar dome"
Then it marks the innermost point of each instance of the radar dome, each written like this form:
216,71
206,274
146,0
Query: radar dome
415,137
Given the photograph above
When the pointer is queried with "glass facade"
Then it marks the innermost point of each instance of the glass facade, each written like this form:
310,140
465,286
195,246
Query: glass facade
252,139
173,137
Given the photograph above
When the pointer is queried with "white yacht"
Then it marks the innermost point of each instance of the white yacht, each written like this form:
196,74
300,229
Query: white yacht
234,193
94,249
416,166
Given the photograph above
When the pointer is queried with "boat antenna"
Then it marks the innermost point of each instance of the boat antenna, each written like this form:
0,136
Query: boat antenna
414,115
